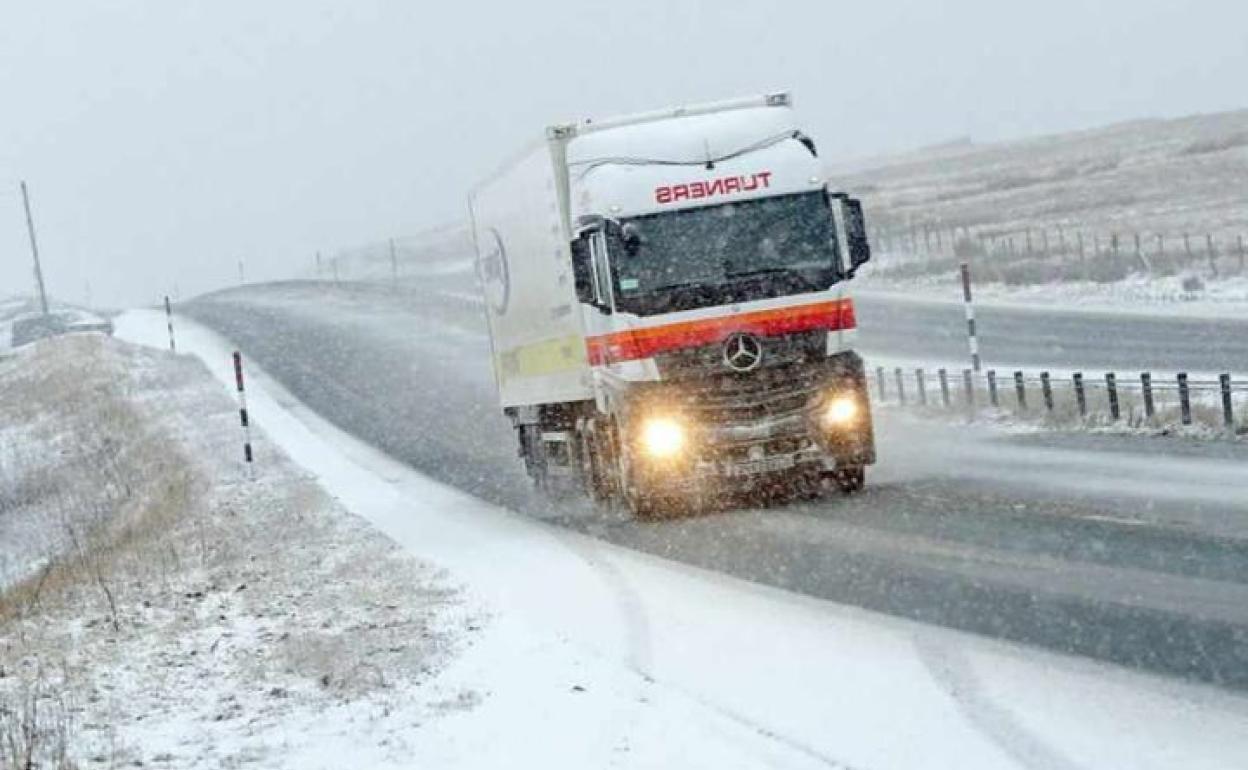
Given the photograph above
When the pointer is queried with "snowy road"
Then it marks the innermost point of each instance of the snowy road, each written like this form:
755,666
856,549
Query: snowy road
1077,545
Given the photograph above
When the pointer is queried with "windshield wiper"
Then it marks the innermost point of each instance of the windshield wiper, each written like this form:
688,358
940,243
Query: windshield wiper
800,277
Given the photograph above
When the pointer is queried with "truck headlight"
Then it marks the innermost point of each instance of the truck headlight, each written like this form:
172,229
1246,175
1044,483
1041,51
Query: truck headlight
662,437
840,412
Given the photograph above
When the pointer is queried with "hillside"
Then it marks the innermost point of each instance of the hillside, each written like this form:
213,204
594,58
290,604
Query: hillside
1148,176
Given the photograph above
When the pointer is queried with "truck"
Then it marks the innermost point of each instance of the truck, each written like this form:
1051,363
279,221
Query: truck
667,306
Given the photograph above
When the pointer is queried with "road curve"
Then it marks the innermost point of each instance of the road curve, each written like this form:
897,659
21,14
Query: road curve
1078,546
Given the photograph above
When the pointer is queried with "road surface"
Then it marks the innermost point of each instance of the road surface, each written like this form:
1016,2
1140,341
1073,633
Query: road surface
1128,550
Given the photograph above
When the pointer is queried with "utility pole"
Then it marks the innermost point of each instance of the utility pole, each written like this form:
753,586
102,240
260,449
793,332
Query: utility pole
34,250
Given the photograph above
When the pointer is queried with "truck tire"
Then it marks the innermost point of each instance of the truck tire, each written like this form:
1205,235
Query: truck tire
593,471
534,454
850,480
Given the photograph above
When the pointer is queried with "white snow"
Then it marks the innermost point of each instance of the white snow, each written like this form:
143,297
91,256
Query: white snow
679,667
1135,295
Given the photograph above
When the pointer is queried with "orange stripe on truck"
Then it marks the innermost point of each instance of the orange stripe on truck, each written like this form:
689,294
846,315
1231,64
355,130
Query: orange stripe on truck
635,344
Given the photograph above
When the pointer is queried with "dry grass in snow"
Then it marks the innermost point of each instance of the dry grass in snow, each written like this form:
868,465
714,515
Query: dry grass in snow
159,607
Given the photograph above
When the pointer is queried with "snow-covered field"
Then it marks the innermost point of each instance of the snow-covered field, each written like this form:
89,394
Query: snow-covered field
594,655
1148,176
165,609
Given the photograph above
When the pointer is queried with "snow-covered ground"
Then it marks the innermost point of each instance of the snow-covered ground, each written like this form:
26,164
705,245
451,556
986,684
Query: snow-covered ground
594,655
165,609
1147,176
1137,294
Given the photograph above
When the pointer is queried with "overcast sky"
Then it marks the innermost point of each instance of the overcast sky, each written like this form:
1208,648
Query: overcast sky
163,140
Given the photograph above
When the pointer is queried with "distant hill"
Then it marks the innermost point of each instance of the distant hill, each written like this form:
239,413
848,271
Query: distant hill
1147,176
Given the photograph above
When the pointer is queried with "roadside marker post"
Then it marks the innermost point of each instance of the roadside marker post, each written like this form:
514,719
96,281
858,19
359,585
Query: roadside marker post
1111,390
1020,391
173,346
901,386
1146,387
972,338
1046,390
242,412
1081,396
992,389
944,387
920,384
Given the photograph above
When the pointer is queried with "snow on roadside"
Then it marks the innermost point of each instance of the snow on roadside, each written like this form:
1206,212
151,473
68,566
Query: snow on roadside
252,616
1136,294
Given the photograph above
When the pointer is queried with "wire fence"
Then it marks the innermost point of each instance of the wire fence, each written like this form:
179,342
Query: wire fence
1032,254
1141,401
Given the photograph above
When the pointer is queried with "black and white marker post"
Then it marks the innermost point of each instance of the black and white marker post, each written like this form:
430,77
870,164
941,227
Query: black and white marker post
242,411
970,316
173,347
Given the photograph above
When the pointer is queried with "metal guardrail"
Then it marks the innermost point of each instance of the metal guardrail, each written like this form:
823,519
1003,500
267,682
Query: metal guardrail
1139,400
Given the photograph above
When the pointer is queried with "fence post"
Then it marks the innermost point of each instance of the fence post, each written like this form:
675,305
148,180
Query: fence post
1213,256
1228,414
242,409
901,386
1020,390
1187,249
1139,255
1185,400
1081,396
920,383
879,382
173,346
1044,241
1146,387
968,382
992,388
1047,389
944,387
1111,389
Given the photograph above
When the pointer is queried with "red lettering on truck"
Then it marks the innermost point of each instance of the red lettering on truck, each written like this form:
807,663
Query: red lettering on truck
724,185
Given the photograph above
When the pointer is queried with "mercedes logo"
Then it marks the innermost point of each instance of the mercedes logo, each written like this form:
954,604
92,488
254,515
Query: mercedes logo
743,352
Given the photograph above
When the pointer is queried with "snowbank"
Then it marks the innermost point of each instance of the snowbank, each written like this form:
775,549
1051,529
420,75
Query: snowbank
597,655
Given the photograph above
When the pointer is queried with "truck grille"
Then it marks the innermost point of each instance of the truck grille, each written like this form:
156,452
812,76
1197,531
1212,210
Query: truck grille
767,394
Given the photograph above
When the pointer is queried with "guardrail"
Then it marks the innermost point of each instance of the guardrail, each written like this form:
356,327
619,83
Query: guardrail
1137,400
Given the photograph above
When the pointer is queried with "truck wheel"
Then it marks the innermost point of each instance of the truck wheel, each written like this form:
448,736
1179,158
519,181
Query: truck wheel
850,480
593,474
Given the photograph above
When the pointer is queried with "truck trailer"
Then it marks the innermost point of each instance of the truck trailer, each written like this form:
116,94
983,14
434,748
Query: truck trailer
667,306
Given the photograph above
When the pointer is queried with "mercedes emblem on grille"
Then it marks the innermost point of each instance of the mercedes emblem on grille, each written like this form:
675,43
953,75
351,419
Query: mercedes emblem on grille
743,352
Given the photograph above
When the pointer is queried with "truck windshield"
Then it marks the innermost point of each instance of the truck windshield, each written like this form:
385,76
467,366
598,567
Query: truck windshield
732,252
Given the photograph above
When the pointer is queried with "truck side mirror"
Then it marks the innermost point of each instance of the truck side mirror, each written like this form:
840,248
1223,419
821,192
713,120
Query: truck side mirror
582,273
856,235
851,231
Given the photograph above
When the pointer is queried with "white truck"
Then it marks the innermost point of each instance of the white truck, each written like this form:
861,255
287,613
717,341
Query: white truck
667,307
